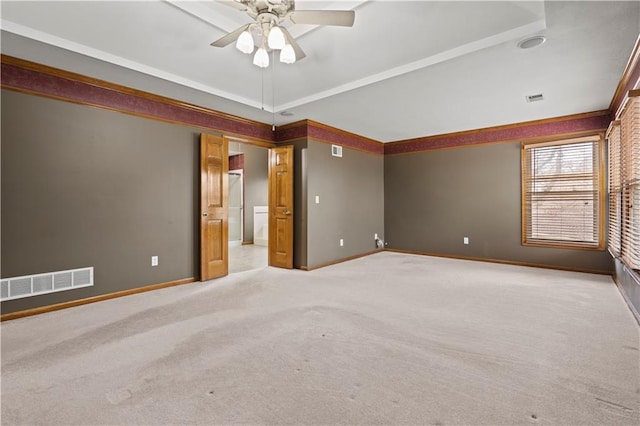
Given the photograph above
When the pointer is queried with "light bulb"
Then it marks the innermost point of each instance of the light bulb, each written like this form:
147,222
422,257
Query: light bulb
287,55
245,42
262,58
276,38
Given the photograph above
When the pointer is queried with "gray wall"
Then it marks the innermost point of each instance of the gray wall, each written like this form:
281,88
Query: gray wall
433,199
256,184
84,186
351,207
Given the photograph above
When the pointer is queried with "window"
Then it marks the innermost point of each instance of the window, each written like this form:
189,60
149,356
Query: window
562,187
615,188
628,177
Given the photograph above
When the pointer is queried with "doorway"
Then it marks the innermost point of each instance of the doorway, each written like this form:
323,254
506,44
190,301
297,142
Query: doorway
238,181
248,194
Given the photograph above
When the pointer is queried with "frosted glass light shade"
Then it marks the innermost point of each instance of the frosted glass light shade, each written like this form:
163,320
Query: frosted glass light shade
245,42
287,55
261,58
276,38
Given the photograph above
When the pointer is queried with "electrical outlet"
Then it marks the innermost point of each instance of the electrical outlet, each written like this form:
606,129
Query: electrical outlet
341,242
154,260
466,240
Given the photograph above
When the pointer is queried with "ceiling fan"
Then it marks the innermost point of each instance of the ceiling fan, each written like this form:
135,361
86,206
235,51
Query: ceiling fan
267,30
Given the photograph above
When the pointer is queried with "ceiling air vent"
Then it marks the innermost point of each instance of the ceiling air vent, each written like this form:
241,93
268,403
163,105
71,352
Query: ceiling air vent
534,98
531,42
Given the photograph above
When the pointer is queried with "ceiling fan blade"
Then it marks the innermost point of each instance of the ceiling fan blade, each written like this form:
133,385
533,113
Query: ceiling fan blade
342,18
234,4
292,41
230,38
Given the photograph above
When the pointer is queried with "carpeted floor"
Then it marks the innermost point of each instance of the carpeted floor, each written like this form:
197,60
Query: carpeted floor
385,339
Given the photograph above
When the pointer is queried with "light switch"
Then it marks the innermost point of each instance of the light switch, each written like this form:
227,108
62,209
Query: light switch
317,199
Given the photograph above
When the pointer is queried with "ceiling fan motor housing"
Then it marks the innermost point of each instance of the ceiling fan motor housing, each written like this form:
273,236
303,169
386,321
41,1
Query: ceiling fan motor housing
276,8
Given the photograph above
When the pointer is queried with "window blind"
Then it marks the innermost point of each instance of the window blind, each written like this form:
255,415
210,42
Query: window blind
630,177
615,188
561,192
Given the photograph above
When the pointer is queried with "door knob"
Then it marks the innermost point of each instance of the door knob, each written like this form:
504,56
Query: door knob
204,214
287,212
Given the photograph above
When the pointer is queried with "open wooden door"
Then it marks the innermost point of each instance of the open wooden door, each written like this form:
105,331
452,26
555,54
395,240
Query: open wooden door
281,207
214,244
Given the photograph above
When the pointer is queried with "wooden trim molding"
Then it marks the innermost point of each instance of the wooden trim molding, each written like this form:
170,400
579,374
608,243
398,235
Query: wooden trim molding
505,262
291,131
630,80
335,262
29,77
538,129
323,133
250,141
79,302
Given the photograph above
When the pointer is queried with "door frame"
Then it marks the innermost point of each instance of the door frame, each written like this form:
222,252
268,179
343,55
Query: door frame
269,146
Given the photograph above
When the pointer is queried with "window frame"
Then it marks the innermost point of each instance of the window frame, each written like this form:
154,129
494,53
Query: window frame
602,194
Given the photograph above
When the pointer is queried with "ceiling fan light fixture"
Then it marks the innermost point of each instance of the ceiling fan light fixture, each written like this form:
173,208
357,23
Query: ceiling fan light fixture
287,55
245,43
261,58
276,38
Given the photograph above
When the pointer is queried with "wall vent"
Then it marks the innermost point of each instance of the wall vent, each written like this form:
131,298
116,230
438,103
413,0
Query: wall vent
534,98
52,282
336,150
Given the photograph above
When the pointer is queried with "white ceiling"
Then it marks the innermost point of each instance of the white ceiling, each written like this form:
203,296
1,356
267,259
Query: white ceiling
405,69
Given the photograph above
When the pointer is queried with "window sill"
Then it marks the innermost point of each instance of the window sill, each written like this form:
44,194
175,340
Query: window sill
561,245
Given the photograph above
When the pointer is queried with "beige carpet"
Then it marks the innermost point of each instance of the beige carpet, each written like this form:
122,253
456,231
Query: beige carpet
385,339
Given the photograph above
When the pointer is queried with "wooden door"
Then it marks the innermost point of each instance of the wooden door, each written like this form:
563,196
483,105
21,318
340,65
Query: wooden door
281,207
214,167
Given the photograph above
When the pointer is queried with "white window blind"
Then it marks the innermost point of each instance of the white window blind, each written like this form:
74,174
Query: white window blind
630,177
562,193
615,188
